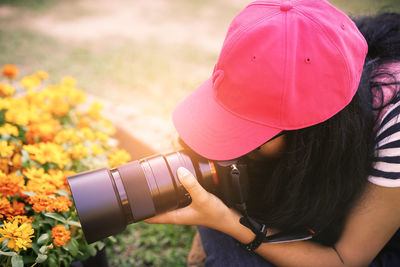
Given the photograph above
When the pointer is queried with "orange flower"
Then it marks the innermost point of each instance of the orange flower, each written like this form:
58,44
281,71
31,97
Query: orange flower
7,210
4,166
83,123
10,71
6,89
6,149
5,207
16,162
44,202
11,184
45,130
41,187
60,236
60,204
40,202
40,182
17,208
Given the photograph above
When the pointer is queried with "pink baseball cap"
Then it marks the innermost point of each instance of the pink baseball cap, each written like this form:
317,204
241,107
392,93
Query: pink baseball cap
284,65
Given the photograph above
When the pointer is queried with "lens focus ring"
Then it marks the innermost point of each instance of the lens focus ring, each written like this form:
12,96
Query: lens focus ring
122,195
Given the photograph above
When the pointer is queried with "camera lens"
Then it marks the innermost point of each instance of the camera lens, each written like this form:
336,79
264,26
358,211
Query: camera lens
108,200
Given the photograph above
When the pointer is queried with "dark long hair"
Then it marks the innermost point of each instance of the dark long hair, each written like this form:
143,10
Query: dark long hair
323,169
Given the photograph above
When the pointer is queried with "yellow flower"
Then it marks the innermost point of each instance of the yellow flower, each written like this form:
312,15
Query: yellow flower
65,136
20,112
68,81
45,129
6,89
6,150
110,127
94,111
58,179
79,151
59,106
118,158
20,219
20,117
5,103
18,235
43,183
60,235
103,137
88,133
31,81
76,96
33,173
48,152
42,74
97,150
9,129
10,71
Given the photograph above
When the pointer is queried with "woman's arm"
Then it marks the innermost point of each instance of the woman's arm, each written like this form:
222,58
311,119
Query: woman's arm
369,227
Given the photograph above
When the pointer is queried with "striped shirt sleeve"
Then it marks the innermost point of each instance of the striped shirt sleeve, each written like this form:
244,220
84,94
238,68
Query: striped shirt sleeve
386,167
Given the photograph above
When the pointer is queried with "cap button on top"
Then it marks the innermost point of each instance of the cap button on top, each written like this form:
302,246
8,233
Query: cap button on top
286,5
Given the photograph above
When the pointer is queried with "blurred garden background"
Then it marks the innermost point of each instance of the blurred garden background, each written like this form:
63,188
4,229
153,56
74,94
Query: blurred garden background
139,58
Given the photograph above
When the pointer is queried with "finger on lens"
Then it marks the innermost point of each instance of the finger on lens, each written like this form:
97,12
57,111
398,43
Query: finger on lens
190,183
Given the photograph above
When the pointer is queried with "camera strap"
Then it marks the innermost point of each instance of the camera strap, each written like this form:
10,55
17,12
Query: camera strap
260,229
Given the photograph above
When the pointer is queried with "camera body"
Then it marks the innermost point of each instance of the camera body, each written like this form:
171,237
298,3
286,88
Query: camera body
108,200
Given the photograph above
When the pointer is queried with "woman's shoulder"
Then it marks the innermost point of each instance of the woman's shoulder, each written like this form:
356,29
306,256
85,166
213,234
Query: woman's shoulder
386,169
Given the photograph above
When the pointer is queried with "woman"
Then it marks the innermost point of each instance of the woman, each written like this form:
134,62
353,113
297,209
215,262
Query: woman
321,141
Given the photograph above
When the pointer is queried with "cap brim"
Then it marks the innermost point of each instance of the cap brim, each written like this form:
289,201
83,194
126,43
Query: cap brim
214,132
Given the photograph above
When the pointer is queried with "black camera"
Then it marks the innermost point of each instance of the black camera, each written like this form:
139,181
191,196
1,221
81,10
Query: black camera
108,200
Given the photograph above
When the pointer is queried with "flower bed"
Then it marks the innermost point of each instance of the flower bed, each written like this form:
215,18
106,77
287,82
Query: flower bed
47,132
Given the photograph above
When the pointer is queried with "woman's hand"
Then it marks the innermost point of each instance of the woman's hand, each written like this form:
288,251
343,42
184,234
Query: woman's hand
205,209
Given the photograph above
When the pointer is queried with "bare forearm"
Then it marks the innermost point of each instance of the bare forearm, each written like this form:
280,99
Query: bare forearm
301,253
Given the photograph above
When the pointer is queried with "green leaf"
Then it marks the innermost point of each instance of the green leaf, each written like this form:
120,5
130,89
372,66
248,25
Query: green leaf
72,247
2,116
56,216
52,261
17,261
28,259
8,253
41,258
65,262
74,223
112,239
5,242
35,248
100,245
92,250
43,239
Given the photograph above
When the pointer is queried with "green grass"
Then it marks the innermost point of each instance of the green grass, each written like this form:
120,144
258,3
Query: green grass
151,245
122,71
363,7
36,5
